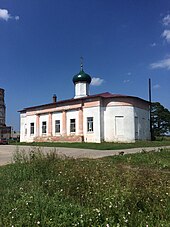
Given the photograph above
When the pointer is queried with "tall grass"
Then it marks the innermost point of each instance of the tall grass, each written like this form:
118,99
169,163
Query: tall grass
40,190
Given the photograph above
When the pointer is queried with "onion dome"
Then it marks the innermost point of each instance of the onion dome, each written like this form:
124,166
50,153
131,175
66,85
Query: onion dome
82,77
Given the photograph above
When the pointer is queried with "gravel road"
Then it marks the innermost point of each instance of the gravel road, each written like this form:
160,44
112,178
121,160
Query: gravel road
7,152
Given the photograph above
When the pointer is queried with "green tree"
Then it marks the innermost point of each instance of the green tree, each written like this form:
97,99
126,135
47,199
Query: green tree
160,119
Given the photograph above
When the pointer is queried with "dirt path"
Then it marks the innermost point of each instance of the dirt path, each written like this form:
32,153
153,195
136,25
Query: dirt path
7,151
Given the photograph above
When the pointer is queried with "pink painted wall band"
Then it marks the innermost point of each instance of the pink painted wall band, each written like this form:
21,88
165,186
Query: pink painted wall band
50,124
64,129
80,121
37,124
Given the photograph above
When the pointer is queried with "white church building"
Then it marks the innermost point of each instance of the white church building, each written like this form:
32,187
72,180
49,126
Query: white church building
87,118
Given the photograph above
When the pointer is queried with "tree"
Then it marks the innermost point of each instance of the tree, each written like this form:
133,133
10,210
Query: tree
160,117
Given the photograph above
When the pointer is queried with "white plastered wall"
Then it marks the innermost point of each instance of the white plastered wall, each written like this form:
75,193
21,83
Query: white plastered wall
126,115
23,126
142,128
25,121
31,119
56,116
81,89
72,114
94,136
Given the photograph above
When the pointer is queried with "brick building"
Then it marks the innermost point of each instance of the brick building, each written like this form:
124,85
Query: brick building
5,131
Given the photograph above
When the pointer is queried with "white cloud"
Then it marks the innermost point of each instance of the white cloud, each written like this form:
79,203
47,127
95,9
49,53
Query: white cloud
166,35
4,15
16,17
166,20
126,81
96,81
156,86
162,64
129,73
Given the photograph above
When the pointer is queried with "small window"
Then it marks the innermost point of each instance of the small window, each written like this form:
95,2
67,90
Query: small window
72,125
31,128
44,127
90,124
57,126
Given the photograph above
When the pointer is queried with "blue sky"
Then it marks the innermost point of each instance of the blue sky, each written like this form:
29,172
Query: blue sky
123,43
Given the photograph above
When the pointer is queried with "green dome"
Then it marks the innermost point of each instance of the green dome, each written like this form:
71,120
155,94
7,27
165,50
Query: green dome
82,77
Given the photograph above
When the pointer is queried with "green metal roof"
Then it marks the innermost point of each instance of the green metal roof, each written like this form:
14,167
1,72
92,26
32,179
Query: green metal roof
82,77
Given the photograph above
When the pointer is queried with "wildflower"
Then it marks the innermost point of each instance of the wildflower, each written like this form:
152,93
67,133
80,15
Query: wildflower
97,210
38,222
128,212
107,225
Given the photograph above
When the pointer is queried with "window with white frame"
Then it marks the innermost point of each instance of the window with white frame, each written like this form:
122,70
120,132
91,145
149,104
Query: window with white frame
57,126
90,124
32,128
72,125
44,127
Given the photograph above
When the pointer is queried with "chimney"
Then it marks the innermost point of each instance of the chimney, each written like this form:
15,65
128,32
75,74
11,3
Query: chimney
54,98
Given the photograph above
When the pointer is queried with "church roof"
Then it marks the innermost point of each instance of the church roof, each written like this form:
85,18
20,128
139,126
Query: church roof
104,95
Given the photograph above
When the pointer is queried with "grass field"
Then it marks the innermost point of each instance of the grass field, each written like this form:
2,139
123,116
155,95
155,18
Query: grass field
129,190
101,146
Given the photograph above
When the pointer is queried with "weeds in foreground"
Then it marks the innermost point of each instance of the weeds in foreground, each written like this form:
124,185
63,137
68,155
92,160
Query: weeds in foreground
48,190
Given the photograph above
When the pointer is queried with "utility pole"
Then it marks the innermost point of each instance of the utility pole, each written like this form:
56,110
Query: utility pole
150,109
